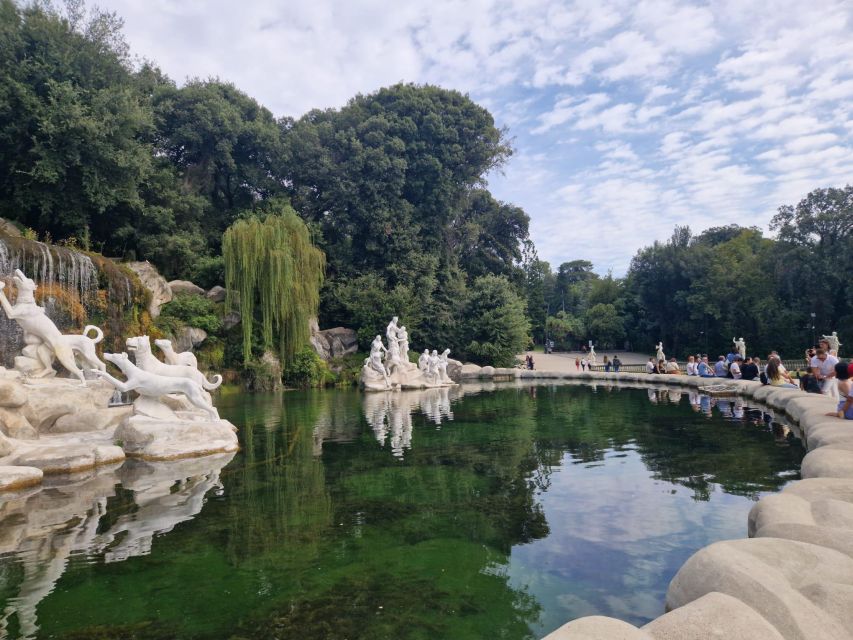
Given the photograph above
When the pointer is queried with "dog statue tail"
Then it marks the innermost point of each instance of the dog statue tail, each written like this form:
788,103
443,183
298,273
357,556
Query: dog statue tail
210,386
99,335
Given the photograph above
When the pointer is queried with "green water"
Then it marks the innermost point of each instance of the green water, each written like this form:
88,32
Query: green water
500,514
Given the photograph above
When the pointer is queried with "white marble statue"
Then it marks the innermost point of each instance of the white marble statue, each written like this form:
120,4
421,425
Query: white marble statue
393,359
403,342
154,385
432,368
43,339
591,353
391,331
660,354
442,367
145,360
185,358
373,363
423,360
740,345
834,344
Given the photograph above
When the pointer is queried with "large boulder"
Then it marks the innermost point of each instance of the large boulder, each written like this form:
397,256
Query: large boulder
333,343
156,284
17,477
188,338
185,286
154,439
216,294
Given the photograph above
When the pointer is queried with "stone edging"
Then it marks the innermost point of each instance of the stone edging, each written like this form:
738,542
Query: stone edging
793,577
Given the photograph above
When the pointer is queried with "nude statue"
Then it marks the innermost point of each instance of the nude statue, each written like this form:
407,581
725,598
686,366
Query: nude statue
391,331
834,344
740,345
442,367
423,361
660,353
403,342
374,360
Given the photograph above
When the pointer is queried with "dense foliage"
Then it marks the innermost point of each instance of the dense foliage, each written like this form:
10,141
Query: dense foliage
272,266
115,157
696,292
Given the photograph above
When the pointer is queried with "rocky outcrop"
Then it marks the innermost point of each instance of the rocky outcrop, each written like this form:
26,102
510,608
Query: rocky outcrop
216,294
185,287
333,343
144,437
156,285
188,338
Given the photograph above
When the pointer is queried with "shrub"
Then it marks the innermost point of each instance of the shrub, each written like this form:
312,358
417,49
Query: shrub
307,370
190,311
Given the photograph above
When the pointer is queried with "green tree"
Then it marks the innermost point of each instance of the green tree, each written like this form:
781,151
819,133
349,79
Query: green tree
495,326
605,325
565,330
272,265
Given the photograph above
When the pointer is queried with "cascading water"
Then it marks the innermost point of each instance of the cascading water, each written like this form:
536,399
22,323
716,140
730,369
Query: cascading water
59,272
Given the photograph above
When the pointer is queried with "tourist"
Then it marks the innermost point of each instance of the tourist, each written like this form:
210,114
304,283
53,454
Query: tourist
823,369
734,368
584,363
749,369
661,366
672,367
720,369
606,364
776,377
530,364
845,391
616,363
577,363
650,366
731,356
692,366
703,369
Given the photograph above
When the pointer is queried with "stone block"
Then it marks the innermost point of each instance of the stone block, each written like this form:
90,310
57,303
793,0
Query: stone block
153,439
831,461
714,615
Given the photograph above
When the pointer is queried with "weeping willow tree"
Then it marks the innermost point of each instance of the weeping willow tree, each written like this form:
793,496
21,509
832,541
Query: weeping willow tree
272,263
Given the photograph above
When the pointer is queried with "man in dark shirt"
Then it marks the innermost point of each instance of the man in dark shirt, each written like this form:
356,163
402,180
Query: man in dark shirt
749,370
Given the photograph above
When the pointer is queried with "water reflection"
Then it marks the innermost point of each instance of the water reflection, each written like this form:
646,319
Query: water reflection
389,413
47,526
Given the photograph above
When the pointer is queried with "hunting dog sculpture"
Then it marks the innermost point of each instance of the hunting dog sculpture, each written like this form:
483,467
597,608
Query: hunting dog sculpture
185,358
147,361
44,340
153,385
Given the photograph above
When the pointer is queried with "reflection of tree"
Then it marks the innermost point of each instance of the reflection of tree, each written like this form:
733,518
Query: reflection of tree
676,444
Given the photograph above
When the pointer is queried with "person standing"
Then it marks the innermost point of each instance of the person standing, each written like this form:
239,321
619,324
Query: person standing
606,364
823,369
577,363
616,363
720,369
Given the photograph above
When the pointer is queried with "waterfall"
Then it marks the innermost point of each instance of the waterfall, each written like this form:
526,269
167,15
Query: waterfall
56,270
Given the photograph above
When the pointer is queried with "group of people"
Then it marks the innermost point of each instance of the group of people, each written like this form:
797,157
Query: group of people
586,363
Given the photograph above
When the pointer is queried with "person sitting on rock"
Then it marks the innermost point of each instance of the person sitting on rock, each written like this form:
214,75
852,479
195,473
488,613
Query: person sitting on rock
720,368
672,367
703,369
650,366
749,369
692,365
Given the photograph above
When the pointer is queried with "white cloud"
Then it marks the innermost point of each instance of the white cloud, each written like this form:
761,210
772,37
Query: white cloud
629,116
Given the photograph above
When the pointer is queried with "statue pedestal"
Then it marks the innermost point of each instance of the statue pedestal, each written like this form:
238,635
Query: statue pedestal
180,437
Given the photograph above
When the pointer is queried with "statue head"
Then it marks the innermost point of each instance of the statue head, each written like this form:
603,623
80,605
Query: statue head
26,286
139,344
116,358
447,352
394,319
426,352
434,352
163,344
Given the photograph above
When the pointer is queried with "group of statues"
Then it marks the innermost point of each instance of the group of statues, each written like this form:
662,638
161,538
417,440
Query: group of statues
389,367
148,376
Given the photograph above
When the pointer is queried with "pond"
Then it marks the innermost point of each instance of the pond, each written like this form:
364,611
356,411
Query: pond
475,512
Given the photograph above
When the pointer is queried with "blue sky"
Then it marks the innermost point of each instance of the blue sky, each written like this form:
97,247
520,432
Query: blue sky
628,118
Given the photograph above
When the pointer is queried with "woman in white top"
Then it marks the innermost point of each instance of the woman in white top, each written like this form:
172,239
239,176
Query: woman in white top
691,366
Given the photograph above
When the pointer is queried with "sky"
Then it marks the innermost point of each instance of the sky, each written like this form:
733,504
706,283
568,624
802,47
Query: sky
627,118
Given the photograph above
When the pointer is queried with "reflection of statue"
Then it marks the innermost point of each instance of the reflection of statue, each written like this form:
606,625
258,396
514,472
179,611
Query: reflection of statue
391,332
43,339
740,345
403,342
834,344
423,361
660,353
185,358
155,386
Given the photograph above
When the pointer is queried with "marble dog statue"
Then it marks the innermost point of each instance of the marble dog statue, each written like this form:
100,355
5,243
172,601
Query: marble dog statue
44,340
185,358
147,361
154,385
